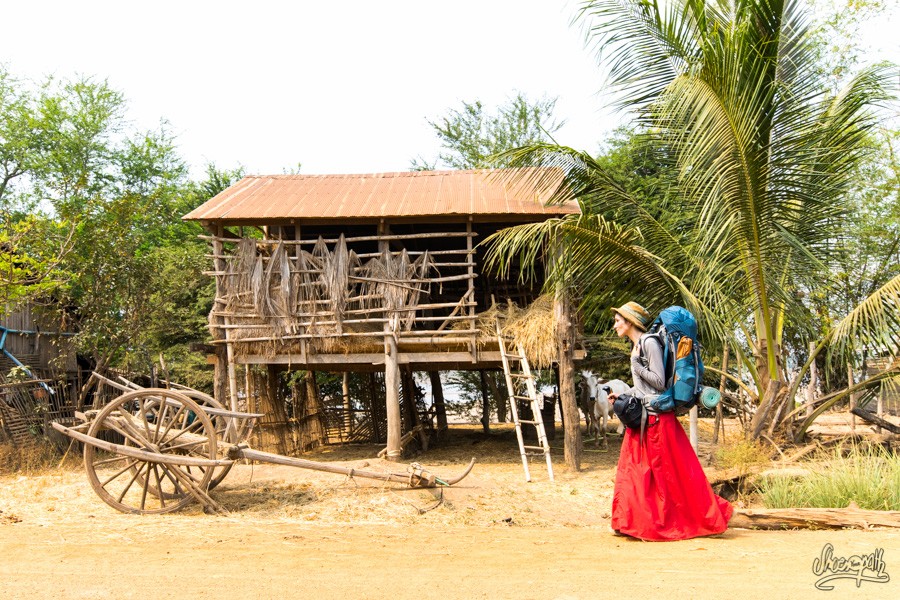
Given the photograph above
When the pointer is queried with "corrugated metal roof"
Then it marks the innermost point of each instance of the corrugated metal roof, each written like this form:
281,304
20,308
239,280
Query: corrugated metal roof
380,195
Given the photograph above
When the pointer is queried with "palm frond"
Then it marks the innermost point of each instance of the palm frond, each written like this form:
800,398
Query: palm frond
873,326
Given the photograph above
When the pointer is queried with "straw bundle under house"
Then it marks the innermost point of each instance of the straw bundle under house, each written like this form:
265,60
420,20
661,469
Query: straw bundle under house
534,327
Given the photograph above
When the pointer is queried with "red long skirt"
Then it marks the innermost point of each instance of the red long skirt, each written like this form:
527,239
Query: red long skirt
661,491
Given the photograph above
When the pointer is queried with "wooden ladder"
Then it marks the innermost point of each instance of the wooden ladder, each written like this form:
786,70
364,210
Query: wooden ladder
521,386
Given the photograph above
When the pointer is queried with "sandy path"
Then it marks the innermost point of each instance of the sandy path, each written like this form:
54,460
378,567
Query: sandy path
295,533
219,558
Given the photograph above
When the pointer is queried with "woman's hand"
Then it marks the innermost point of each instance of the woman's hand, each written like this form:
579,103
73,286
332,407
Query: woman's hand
635,351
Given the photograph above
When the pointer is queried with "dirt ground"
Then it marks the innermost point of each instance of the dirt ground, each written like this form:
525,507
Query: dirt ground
310,534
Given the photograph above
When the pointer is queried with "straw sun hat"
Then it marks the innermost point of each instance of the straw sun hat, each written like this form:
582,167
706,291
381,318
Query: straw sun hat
635,314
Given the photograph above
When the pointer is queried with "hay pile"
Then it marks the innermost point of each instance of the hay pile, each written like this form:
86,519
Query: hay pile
533,326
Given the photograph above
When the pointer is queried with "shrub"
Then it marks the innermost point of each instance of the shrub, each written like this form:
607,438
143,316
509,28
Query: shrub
866,475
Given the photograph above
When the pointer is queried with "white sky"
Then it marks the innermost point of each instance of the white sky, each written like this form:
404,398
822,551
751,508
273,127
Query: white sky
341,87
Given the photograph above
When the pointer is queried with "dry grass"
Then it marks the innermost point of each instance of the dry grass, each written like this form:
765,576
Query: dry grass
535,329
33,459
742,454
864,474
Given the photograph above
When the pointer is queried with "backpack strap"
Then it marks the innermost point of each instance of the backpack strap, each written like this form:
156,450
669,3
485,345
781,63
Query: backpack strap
643,341
668,365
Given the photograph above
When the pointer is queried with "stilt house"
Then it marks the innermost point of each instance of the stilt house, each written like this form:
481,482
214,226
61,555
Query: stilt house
367,273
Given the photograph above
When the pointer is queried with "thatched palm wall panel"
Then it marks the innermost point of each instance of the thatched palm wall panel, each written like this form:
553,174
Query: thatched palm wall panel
272,297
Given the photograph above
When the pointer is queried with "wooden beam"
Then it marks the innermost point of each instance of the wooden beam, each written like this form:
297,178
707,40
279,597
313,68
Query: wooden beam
874,419
486,360
813,518
366,238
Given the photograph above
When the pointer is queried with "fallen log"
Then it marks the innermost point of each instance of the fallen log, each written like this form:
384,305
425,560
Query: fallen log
813,518
874,419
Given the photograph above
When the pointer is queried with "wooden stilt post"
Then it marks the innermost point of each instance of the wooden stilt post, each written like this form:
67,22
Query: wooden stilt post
565,340
219,252
348,413
879,408
437,395
695,441
391,370
852,398
392,394
470,293
499,405
485,403
374,407
220,375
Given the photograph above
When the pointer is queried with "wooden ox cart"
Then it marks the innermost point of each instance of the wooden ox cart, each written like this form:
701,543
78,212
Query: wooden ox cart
153,450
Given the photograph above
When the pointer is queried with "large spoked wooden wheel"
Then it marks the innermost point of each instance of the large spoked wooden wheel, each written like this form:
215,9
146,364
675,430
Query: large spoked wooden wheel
220,424
166,426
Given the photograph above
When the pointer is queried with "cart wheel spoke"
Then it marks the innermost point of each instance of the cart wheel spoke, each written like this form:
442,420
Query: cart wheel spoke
220,424
159,485
128,467
134,475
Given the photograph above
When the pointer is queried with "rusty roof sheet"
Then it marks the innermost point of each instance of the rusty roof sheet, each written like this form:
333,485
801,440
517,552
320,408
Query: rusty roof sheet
494,193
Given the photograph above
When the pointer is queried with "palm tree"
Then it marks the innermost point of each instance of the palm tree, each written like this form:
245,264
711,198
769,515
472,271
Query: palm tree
758,157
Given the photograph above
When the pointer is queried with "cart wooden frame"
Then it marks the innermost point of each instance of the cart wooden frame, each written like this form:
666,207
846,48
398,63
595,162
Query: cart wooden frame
157,450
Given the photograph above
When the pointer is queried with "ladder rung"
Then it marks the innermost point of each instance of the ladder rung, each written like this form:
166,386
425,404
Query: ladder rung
523,397
541,448
515,356
520,375
527,422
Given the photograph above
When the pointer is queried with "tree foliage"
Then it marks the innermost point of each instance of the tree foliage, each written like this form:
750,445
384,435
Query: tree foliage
92,226
471,138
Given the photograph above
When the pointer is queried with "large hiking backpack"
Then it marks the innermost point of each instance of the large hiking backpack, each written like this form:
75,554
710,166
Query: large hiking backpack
676,331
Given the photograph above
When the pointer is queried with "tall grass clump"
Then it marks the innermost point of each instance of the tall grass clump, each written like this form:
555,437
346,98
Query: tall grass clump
868,476
742,454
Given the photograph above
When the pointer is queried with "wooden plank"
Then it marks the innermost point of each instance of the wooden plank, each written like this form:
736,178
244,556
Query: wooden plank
348,240
813,518
486,359
404,358
462,251
153,457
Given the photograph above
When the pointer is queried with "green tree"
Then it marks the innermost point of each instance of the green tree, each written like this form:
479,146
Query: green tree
133,213
472,138
181,295
759,156
92,225
32,241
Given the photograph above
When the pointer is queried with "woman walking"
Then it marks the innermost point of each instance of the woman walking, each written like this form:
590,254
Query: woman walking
661,490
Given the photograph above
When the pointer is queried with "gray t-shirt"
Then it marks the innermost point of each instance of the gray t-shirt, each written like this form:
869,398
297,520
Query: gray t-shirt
648,371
